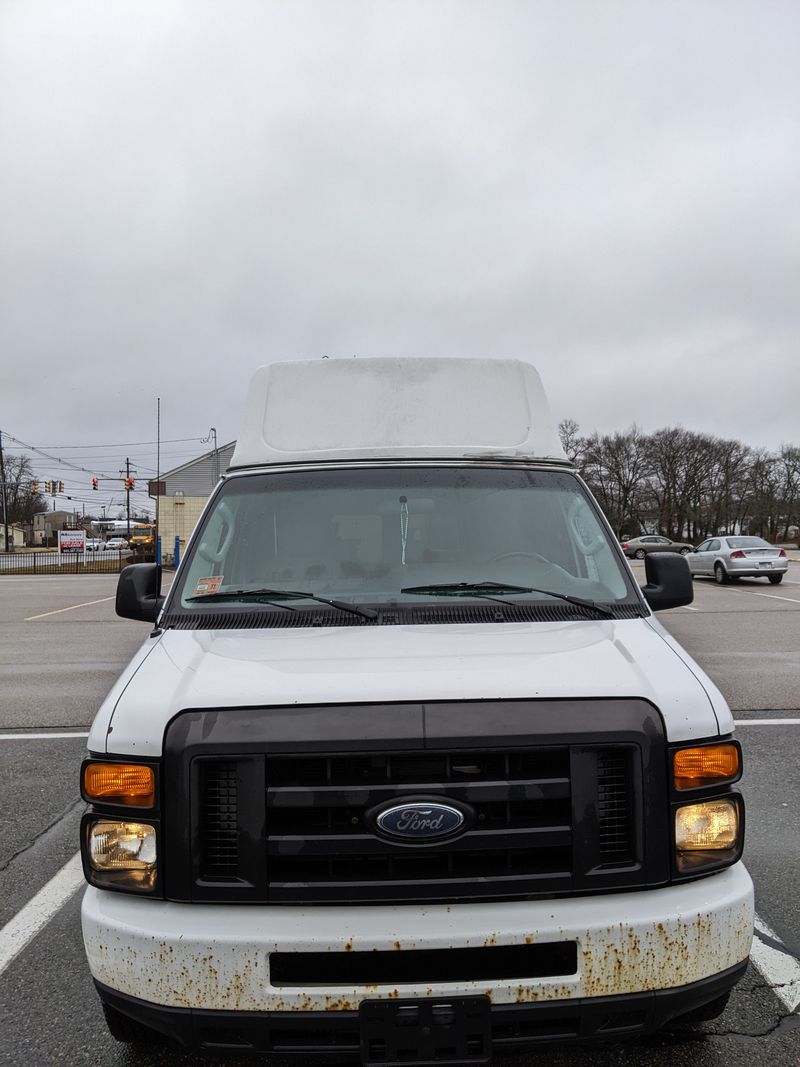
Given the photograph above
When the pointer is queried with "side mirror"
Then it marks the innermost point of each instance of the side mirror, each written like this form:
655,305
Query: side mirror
669,581
139,592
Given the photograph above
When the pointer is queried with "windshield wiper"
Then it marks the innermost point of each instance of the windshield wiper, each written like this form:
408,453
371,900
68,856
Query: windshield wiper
483,588
283,594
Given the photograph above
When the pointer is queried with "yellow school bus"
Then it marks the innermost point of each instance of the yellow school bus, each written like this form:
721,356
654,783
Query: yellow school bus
143,536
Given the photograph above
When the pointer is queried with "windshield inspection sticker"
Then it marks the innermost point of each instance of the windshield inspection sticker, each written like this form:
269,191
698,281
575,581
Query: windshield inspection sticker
207,586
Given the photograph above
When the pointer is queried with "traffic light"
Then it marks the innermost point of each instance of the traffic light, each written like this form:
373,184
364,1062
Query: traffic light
48,486
94,483
129,484
35,488
61,487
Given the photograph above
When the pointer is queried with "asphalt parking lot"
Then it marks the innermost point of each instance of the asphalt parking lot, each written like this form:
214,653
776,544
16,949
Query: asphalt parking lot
61,648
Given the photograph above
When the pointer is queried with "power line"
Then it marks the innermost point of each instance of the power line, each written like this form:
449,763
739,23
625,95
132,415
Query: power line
123,444
55,459
42,450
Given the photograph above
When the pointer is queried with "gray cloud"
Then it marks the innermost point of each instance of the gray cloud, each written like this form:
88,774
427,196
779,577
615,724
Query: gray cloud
189,189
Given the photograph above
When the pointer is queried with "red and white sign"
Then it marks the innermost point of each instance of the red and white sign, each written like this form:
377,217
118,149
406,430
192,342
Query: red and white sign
71,541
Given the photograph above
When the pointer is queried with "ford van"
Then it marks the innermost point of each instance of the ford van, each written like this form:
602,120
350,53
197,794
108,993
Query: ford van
407,769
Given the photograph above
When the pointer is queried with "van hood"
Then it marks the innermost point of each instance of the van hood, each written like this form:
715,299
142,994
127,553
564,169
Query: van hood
183,669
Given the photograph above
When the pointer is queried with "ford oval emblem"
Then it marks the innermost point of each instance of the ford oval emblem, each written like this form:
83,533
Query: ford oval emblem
419,820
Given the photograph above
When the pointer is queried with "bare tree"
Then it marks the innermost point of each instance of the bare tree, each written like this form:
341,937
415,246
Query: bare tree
763,495
687,485
23,502
789,476
615,466
572,442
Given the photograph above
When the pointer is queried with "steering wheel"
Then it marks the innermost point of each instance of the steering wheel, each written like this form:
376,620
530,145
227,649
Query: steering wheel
519,555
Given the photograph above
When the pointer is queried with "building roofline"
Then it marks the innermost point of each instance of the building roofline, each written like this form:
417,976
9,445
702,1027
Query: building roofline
191,462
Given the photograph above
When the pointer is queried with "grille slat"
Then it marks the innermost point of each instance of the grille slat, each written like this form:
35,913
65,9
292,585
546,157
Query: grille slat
440,890
368,845
475,792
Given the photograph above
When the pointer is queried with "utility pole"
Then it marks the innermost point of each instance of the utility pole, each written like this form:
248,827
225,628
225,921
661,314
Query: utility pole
128,493
3,481
157,531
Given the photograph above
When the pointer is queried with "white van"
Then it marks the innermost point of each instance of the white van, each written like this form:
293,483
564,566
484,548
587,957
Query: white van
407,769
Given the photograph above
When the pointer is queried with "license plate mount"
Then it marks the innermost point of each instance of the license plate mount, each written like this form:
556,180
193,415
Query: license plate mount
425,1033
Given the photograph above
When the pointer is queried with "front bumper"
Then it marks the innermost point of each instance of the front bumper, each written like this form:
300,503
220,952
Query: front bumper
217,957
513,1027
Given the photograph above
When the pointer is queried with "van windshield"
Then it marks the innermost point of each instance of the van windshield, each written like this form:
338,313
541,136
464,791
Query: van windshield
370,536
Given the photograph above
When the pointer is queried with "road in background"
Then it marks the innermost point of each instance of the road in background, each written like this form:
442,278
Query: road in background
746,636
58,660
55,669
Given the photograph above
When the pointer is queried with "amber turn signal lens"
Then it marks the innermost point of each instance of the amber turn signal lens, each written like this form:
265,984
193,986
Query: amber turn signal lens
120,783
708,765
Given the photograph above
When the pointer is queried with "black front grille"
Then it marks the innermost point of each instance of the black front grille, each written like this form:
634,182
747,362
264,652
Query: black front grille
269,806
321,847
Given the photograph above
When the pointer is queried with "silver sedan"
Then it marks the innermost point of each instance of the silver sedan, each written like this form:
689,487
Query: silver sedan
727,558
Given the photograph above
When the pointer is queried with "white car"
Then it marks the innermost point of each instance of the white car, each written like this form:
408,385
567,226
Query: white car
94,544
726,559
116,544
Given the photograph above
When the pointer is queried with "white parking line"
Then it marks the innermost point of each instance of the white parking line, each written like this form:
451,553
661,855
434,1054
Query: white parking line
40,909
767,722
780,969
38,737
72,607
770,596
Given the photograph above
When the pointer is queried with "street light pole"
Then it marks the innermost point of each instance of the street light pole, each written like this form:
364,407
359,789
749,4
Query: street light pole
3,481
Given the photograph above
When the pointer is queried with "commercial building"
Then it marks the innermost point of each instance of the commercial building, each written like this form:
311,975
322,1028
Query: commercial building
46,524
181,494
15,536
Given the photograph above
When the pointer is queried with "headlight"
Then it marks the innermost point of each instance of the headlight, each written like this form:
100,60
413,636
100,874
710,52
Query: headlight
707,834
121,854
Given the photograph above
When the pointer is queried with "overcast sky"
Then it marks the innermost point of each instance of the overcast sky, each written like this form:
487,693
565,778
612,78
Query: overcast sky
191,189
